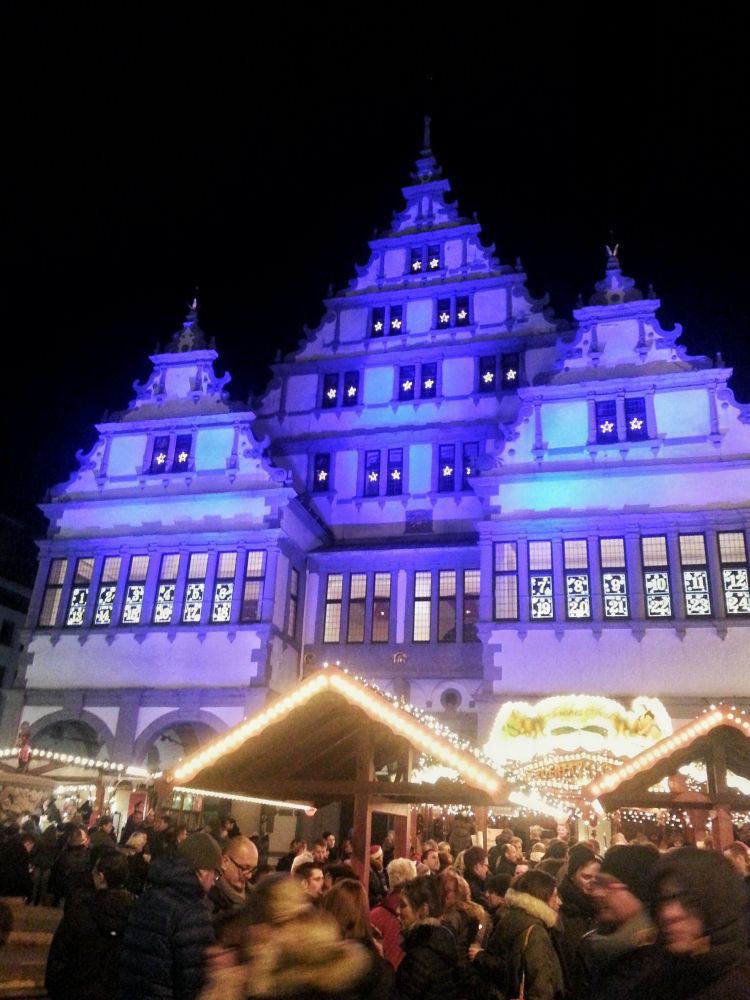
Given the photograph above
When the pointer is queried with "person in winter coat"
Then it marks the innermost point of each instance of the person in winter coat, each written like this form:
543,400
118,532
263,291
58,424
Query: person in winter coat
577,909
385,917
84,957
524,937
466,920
428,970
138,862
698,903
347,904
71,871
170,925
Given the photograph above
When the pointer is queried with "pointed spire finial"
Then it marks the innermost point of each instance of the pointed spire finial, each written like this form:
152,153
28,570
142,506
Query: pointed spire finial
426,140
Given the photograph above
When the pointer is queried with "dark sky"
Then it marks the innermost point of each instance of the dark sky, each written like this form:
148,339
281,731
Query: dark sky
252,157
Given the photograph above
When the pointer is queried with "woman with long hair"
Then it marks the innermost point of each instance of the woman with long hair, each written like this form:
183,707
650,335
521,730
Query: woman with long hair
346,901
466,921
428,970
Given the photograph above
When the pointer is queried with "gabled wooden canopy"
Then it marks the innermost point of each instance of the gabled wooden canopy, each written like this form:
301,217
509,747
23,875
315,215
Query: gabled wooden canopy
326,741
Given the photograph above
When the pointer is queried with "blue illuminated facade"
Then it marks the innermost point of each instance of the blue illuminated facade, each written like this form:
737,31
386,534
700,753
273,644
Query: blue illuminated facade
444,488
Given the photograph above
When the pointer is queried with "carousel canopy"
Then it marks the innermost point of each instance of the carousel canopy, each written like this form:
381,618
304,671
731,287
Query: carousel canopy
332,737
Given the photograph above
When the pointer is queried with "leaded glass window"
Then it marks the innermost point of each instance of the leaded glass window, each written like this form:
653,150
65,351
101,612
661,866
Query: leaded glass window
487,373
351,389
428,381
462,310
695,576
406,379
469,459
395,485
577,580
606,421
377,325
181,459
322,473
107,590
79,593
159,454
415,260
446,468
332,620
252,592
656,577
396,319
509,369
540,581
614,577
734,575
381,607
506,581
446,606
443,313
291,626
135,590
195,588
224,587
422,606
52,593
330,396
471,605
372,474
636,428
433,258
355,626
166,588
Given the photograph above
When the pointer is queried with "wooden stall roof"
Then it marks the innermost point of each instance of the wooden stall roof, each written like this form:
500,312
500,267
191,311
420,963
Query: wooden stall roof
720,739
304,748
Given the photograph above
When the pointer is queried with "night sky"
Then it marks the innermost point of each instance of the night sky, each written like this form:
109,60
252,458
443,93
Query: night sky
147,155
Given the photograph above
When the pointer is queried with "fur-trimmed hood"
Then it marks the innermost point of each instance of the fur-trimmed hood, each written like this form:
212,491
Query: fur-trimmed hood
531,905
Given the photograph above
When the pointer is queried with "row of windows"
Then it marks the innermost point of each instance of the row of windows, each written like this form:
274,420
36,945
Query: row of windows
628,423
384,472
454,613
182,592
658,578
452,311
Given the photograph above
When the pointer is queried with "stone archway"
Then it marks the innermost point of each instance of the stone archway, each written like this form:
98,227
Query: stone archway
84,736
172,737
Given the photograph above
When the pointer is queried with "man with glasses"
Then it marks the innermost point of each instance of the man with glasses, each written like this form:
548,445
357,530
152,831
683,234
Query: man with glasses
239,859
476,870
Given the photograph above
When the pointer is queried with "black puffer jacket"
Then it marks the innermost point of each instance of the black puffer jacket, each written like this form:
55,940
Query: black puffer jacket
532,956
578,913
429,968
169,927
84,957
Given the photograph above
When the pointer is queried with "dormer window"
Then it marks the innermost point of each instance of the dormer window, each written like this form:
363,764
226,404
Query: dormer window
330,392
351,389
159,455
433,258
182,446
415,265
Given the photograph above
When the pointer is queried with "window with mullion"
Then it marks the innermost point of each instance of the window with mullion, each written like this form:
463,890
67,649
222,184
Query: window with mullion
252,592
577,581
540,581
487,373
406,379
195,588
446,480
506,581
614,577
606,421
165,589
332,618
421,626
330,396
351,389
395,484
221,611
695,584
105,600
656,576
53,593
447,611
372,474
79,593
734,572
135,590
355,625
381,607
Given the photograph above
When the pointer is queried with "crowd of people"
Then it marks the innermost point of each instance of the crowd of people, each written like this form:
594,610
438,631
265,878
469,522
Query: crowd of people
163,914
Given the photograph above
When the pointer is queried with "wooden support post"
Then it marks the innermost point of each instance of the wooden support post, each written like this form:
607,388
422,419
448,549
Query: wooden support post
722,834
480,821
401,832
362,822
716,771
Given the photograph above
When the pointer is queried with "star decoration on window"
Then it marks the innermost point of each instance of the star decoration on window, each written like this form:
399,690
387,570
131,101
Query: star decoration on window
331,394
510,375
468,470
160,458
488,377
407,384
395,474
182,457
447,470
377,326
416,265
636,423
434,263
322,476
429,382
444,317
396,323
351,391
462,314
607,427
373,477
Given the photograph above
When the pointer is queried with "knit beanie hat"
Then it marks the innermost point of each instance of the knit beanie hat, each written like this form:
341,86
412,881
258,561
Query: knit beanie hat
631,864
579,856
200,850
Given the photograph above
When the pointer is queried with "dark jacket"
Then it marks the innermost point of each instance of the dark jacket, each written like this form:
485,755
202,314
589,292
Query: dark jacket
578,917
428,971
532,956
84,957
477,889
169,928
608,964
376,888
465,928
224,900
70,873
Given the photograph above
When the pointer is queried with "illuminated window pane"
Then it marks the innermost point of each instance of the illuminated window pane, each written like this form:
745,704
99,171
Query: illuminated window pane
505,557
221,610
447,606
614,584
509,369
181,458
252,592
396,324
355,630
656,577
443,313
469,460
79,593
732,547
53,593
107,590
734,572
540,583
695,576
322,473
332,621
606,421
165,591
406,382
488,374
351,389
372,474
506,581
195,588
433,258
693,550
462,310
377,323
395,472
540,555
577,589
422,609
471,605
159,455
381,607
635,420
428,381
135,590
446,480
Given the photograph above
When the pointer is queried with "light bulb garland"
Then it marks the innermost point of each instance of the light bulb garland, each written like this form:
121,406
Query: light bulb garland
126,770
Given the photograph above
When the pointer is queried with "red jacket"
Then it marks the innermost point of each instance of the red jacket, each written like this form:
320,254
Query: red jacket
385,919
